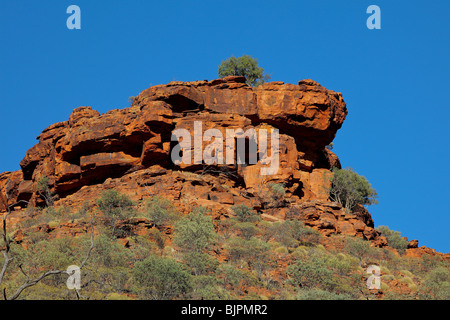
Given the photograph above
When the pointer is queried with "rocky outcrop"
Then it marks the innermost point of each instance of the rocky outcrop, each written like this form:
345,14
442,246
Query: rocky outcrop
130,150
331,218
413,244
90,147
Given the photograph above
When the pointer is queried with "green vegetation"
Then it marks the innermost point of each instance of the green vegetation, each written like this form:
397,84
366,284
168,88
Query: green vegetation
358,248
255,253
246,66
275,195
161,279
43,188
245,214
394,239
195,233
316,272
247,230
290,233
198,256
311,272
318,294
115,205
349,189
305,235
160,211
438,282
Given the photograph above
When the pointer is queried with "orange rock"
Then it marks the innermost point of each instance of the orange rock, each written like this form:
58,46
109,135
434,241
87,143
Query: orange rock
90,147
82,113
129,150
331,218
221,197
413,244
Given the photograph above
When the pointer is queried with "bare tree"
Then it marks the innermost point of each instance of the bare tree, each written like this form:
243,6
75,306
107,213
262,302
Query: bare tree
29,282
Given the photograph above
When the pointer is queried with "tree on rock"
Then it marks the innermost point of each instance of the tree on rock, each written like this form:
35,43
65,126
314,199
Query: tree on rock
246,66
349,189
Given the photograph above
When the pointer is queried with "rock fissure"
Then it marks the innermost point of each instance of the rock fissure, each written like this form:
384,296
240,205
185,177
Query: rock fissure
130,149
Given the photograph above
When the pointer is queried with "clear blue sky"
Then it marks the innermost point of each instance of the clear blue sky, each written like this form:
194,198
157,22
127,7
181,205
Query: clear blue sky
395,80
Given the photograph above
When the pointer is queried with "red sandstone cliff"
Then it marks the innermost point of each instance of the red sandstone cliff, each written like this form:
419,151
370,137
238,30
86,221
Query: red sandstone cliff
129,149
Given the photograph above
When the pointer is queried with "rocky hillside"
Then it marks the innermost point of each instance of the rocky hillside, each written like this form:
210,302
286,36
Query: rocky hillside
129,150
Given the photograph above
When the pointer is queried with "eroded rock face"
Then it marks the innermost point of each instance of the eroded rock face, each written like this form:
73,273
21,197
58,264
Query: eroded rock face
331,218
90,147
130,150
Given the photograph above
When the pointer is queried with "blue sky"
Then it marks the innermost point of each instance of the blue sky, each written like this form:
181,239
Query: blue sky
395,80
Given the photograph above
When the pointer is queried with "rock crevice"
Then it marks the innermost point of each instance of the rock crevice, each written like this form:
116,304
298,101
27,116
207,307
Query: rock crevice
130,149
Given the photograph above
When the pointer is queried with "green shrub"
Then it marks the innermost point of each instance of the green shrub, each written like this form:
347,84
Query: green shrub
282,250
276,194
342,264
200,263
406,280
349,189
305,235
109,253
358,248
159,238
161,279
53,224
277,189
410,283
311,272
247,250
394,239
318,294
43,189
117,296
387,277
231,275
438,282
393,295
32,215
245,214
143,246
254,252
246,66
195,232
58,253
115,205
46,255
226,227
160,211
281,232
247,230
48,214
407,273
64,212
299,252
383,286
208,288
